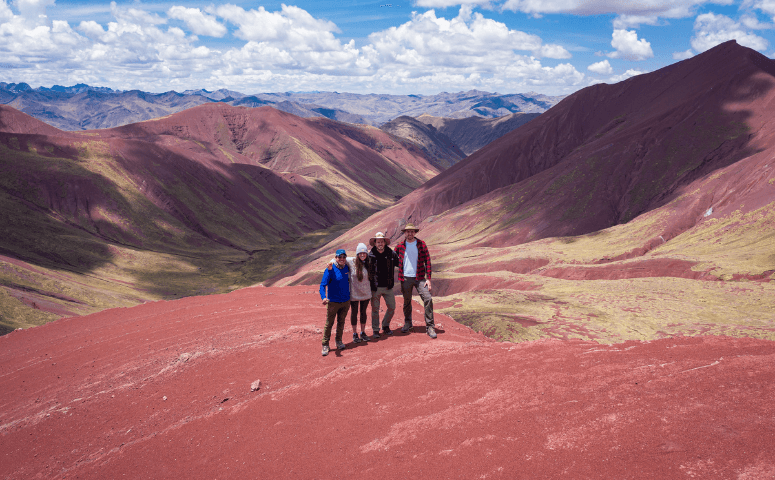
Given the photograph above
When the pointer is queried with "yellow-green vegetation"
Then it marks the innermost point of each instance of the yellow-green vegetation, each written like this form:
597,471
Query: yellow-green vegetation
739,243
612,311
617,310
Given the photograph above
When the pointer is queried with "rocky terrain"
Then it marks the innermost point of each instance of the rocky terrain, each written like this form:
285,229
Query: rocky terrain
194,203
163,390
82,107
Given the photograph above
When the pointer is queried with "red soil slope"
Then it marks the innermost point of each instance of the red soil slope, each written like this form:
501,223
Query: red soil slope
163,390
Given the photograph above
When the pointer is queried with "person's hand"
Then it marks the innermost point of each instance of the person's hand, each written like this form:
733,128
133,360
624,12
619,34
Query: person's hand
428,284
330,266
325,301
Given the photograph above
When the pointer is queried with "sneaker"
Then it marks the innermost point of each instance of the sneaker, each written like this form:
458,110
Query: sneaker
376,334
431,332
407,327
364,337
356,338
387,331
325,350
340,346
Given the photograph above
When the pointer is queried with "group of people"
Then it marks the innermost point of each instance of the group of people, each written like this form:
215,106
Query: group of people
351,283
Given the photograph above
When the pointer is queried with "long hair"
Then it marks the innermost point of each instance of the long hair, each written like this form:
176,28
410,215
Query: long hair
359,265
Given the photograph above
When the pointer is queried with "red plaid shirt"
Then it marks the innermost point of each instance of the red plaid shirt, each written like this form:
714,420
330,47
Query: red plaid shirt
423,260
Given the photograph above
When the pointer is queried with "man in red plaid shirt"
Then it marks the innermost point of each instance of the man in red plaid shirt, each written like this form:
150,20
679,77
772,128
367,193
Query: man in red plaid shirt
414,272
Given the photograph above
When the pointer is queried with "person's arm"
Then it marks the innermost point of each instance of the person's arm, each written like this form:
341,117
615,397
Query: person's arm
323,284
427,266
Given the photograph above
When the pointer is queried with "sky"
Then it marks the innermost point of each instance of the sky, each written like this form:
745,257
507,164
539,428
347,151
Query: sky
424,47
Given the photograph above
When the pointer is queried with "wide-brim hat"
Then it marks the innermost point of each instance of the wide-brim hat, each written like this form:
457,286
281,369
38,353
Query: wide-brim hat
373,240
410,226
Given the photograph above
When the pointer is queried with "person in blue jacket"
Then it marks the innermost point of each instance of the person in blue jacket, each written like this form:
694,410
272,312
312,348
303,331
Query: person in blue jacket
337,281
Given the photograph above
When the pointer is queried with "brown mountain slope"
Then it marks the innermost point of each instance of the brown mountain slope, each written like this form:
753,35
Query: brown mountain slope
437,145
637,222
193,203
617,151
473,133
163,390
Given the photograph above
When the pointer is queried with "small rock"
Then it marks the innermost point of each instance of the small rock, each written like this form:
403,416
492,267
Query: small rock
165,398
255,385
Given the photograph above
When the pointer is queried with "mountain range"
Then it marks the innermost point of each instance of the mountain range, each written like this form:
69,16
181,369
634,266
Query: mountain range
82,107
663,176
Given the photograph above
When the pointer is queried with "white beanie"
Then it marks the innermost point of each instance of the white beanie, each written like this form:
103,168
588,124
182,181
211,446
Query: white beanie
361,249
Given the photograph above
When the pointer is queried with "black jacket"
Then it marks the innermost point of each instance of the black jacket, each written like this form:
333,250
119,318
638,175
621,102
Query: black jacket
392,261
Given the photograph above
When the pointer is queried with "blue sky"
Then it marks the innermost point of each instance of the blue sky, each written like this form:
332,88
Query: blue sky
416,46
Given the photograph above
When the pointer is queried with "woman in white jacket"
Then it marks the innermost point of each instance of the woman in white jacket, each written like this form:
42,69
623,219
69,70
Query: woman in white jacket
360,290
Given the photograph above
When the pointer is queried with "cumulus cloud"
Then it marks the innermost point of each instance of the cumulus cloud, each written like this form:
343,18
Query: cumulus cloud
766,6
198,22
624,76
32,9
553,51
286,49
603,68
683,55
711,29
629,47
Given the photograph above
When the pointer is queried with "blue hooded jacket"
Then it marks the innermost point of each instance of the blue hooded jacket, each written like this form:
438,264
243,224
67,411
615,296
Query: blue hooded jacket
338,282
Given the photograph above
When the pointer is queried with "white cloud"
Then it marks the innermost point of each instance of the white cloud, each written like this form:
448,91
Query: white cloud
603,68
553,51
683,55
5,11
750,21
643,8
32,9
198,22
766,6
287,49
629,47
450,3
711,30
624,76
629,21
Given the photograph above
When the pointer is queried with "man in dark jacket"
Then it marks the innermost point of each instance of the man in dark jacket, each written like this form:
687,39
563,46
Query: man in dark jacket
382,261
414,272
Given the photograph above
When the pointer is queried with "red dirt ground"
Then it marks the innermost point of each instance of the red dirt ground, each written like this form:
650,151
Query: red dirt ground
84,397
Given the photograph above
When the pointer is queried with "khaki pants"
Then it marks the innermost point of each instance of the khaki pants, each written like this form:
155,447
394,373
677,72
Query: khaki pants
407,285
390,303
336,311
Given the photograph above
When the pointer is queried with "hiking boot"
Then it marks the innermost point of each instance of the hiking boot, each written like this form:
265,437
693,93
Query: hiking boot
407,327
325,350
356,338
340,345
431,332
364,337
376,334
387,331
